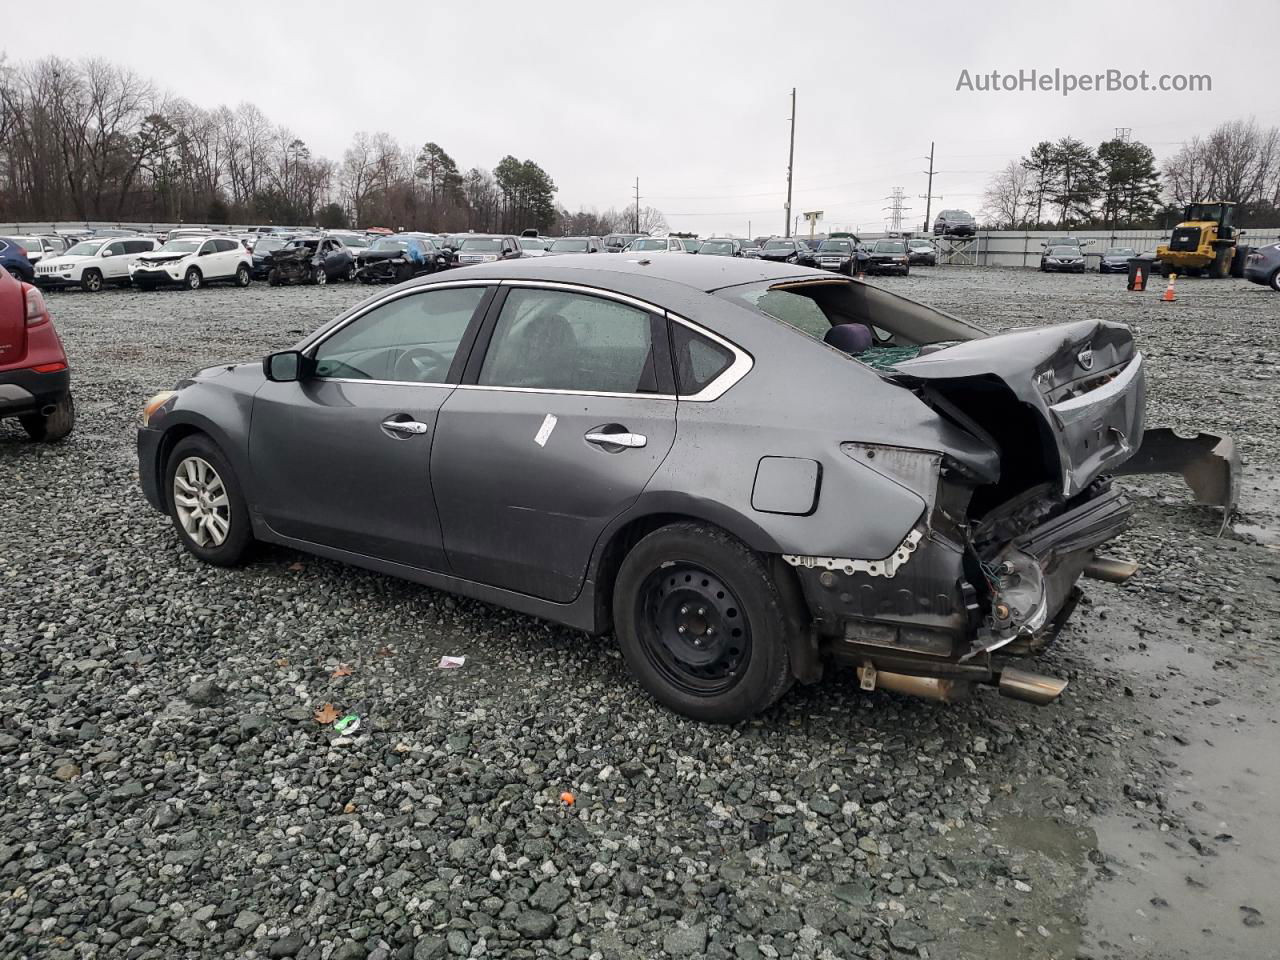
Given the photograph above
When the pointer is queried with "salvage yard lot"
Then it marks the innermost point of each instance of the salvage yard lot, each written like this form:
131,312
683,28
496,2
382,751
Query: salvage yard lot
169,794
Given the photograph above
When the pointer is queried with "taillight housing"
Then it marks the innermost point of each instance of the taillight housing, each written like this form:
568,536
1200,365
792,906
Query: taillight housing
37,312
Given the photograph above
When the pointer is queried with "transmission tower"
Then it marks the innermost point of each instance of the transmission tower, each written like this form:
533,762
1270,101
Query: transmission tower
896,209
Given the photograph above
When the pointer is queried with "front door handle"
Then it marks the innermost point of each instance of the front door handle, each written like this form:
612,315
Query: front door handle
632,440
410,428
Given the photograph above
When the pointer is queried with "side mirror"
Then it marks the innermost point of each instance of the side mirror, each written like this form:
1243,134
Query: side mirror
287,366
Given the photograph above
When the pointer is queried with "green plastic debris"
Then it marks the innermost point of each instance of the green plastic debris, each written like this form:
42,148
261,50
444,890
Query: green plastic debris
348,724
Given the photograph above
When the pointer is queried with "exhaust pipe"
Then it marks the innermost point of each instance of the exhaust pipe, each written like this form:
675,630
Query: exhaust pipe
942,689
1110,569
1031,687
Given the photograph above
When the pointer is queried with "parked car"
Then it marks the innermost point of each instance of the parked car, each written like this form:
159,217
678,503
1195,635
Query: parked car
888,256
787,250
35,378
39,247
353,241
839,255
311,260
955,223
486,249
13,258
562,245
750,248
534,246
192,262
116,232
264,251
1075,243
617,242
508,432
657,245
185,233
922,252
692,244
721,247
398,258
1262,265
92,264
1116,259
1063,258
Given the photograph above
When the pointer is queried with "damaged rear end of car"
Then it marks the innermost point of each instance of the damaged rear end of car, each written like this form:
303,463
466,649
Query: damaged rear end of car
1009,522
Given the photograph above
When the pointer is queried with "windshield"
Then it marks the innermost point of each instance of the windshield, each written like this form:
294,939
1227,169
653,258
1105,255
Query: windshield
1063,251
389,243
1121,252
780,245
648,243
303,244
533,243
267,244
483,244
835,246
85,248
182,246
568,245
920,245
889,246
360,241
717,246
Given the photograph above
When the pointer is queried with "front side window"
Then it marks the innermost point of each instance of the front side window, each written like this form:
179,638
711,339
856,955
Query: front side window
553,340
410,339
114,249
209,247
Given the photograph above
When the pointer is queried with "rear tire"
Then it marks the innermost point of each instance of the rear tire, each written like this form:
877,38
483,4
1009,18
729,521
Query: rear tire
702,624
242,276
54,426
193,279
91,281
210,489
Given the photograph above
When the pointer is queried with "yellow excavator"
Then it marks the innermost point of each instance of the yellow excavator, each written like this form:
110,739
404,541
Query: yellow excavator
1204,242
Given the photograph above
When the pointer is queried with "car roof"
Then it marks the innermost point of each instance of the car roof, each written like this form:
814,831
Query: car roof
706,276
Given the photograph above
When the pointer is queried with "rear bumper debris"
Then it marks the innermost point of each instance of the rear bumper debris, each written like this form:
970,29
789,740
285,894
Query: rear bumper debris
1210,465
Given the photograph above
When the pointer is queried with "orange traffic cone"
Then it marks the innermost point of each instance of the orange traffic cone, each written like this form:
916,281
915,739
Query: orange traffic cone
1169,295
1139,284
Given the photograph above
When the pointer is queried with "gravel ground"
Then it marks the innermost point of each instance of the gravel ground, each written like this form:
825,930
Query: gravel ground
168,793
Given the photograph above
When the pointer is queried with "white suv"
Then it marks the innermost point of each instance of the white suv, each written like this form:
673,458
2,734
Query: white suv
92,264
192,262
39,247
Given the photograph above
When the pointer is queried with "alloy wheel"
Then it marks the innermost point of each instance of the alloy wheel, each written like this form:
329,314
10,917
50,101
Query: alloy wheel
693,629
321,277
200,500
93,282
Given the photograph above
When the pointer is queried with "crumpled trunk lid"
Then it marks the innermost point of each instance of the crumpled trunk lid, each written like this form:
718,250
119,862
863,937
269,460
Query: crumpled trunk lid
1084,381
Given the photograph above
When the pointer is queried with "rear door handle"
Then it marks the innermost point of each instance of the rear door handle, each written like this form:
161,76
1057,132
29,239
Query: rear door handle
409,428
632,440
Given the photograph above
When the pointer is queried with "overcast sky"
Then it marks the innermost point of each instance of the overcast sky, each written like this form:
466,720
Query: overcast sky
693,98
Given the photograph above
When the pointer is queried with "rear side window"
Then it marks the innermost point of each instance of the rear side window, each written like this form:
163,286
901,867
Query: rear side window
698,360
551,340
225,246
137,246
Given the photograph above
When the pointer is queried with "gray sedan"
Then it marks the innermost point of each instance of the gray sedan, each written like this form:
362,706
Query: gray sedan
745,470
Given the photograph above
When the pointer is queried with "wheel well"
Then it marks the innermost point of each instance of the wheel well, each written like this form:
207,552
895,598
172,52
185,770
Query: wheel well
805,663
171,439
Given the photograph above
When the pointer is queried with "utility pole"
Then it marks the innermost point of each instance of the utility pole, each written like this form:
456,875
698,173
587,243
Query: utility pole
637,216
928,197
791,157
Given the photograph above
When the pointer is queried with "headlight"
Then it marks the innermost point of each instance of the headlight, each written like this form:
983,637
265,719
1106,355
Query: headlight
154,404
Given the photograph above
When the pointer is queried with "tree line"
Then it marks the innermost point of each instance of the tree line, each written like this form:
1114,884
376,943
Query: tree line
91,140
1118,185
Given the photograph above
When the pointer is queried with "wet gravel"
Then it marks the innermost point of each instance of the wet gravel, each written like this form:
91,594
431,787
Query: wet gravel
167,792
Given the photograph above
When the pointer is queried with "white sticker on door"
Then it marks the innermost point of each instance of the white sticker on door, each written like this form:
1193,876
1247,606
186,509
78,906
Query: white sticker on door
544,431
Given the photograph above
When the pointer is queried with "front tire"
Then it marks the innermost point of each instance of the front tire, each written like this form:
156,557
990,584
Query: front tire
351,274
702,624
54,426
1274,282
194,279
273,278
206,505
91,281
319,277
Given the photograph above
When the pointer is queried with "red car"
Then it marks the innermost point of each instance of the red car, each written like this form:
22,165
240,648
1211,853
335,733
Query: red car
35,380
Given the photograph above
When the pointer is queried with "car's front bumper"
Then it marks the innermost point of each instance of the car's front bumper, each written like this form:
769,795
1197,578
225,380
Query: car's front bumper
149,467
24,391
56,281
156,276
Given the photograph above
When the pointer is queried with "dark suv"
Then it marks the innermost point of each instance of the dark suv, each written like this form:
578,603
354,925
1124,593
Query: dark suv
35,380
955,223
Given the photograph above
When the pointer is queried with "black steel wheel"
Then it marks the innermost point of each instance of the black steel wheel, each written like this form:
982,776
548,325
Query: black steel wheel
692,629
701,623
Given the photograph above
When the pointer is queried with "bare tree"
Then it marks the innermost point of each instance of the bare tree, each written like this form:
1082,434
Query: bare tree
1009,197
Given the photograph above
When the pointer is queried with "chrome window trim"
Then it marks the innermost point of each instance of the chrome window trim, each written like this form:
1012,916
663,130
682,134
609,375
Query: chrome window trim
739,368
